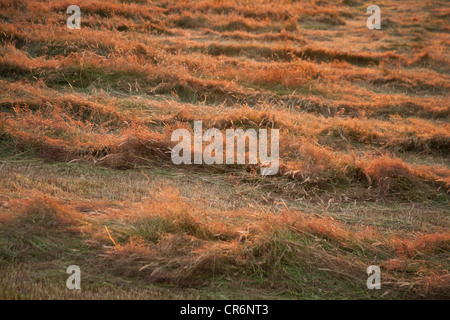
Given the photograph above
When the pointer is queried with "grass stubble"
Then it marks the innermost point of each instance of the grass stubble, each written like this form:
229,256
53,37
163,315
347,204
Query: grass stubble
85,171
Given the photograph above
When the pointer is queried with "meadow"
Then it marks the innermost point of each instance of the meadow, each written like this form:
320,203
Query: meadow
86,177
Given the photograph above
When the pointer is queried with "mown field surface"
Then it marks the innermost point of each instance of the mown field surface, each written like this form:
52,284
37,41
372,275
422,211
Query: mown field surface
86,177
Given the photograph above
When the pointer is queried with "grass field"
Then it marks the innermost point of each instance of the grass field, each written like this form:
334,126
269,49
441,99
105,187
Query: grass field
86,177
